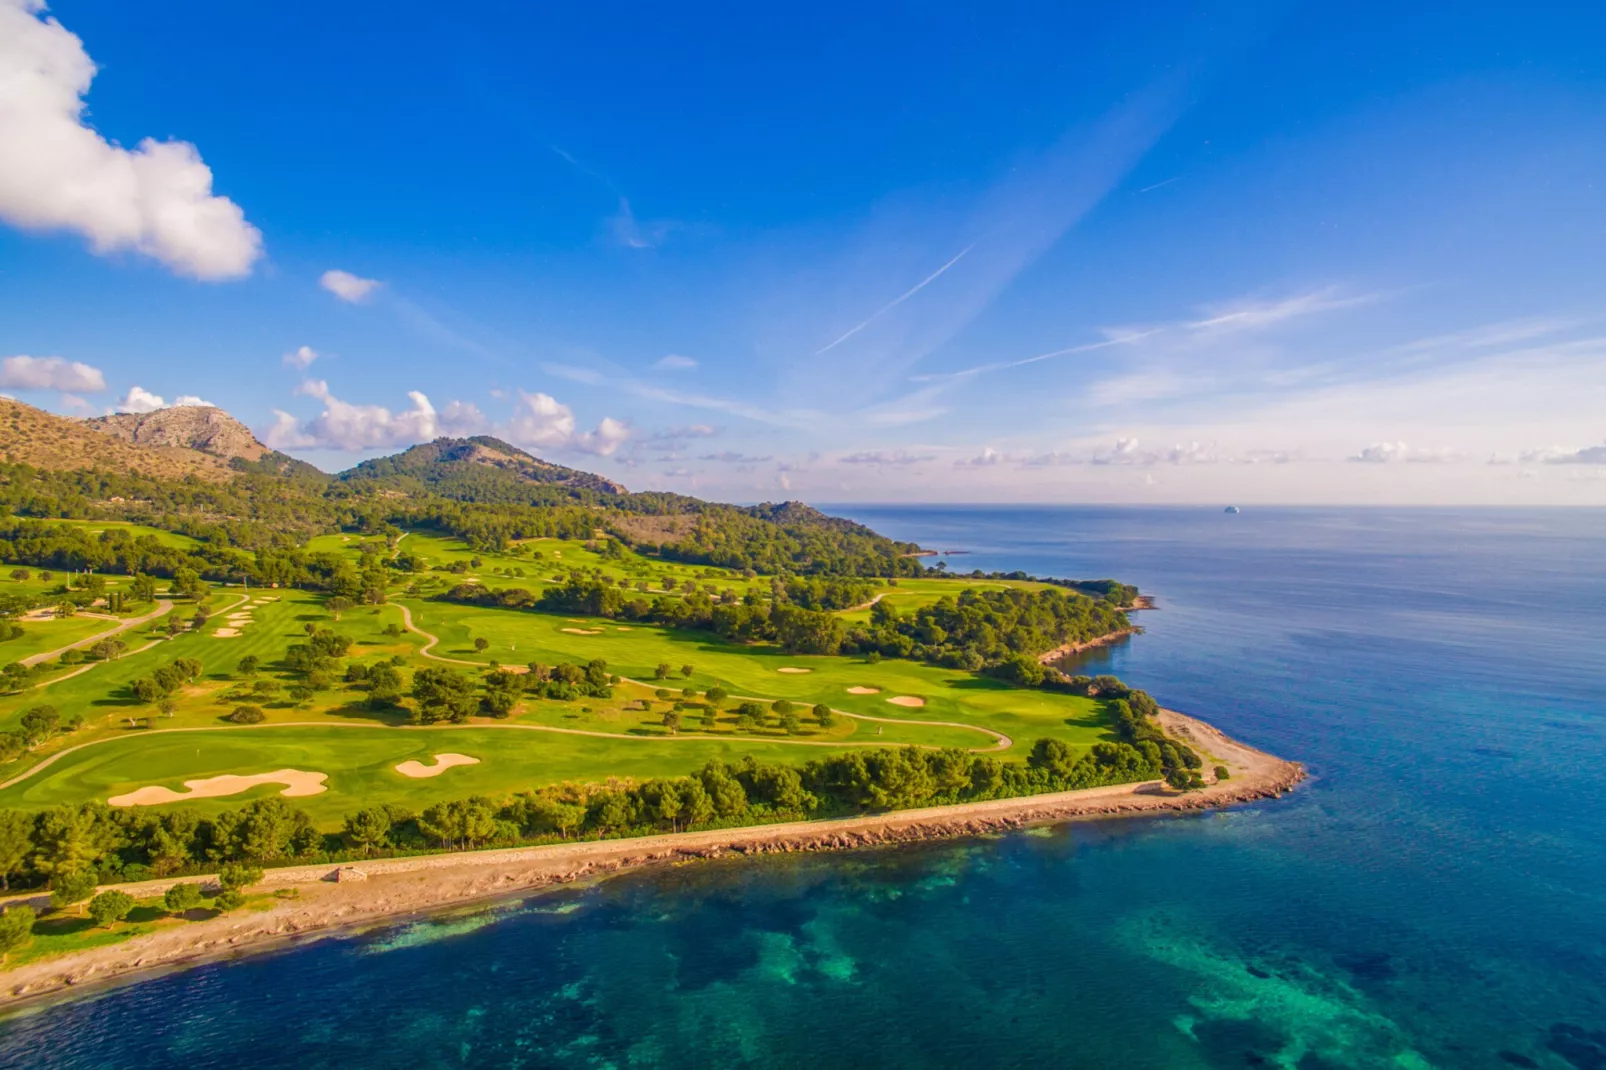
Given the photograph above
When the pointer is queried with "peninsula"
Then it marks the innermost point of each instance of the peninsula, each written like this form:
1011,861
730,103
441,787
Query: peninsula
464,671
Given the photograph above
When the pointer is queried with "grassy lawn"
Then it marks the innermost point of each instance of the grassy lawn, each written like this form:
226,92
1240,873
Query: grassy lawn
39,636
95,527
335,732
361,763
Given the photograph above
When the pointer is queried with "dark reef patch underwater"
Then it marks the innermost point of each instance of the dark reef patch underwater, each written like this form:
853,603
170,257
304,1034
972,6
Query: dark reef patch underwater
1433,897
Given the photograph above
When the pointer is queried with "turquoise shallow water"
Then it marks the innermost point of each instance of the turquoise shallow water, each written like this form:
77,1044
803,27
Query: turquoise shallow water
1433,897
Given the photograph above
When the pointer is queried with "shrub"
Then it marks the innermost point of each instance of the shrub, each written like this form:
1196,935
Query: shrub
16,929
182,897
1222,773
247,715
110,907
227,900
237,875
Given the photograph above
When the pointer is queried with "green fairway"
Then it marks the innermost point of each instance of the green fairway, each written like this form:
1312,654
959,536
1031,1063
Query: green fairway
331,729
636,650
361,761
40,636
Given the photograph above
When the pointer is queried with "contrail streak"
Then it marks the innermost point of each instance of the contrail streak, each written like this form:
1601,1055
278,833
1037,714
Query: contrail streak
900,299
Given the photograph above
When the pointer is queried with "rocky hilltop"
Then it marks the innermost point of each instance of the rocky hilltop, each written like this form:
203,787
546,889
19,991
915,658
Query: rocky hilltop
58,443
197,427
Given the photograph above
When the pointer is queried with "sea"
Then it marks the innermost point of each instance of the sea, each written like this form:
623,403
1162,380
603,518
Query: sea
1433,896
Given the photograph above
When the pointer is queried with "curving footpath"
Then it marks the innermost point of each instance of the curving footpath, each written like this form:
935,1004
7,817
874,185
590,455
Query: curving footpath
163,605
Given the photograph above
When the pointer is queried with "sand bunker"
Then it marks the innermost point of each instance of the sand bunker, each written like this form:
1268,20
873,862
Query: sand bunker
295,781
906,700
582,631
443,762
864,691
226,633
621,628
790,669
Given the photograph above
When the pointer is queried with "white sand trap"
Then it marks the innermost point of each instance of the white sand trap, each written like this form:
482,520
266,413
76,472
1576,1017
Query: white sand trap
238,618
621,628
864,691
296,782
226,633
582,631
443,762
906,700
790,669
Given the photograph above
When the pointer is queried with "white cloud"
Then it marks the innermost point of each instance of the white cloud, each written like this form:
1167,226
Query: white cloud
353,289
1587,455
138,399
542,421
190,399
348,427
987,458
674,362
1384,452
301,359
61,174
49,373
881,458
460,419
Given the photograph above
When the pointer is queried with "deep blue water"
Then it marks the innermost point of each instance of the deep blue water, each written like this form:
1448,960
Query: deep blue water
1434,896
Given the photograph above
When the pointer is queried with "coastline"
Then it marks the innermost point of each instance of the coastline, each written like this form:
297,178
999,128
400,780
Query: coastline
1051,656
390,890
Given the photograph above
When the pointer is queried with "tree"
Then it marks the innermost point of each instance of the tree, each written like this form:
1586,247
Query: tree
249,665
662,671
716,695
247,715
481,644
687,670
672,720
226,900
16,840
182,897
16,929
749,715
338,605
1222,773
825,715
368,829
110,907
38,724
72,886
443,695
234,876
790,722
781,707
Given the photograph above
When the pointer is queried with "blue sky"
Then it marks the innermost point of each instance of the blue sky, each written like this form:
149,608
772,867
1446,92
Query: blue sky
1292,253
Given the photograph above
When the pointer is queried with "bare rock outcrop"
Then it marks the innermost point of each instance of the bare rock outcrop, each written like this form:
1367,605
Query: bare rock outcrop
197,427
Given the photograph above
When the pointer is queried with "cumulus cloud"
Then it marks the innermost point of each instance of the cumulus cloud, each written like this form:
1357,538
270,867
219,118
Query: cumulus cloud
61,174
301,359
733,457
1587,455
348,427
987,458
541,420
49,373
353,289
1386,452
886,457
138,399
674,362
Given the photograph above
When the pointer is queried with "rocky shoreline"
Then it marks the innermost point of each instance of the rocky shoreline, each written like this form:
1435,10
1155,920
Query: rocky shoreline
331,898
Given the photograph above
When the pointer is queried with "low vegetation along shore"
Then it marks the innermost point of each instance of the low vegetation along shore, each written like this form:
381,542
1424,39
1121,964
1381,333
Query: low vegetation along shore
298,901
